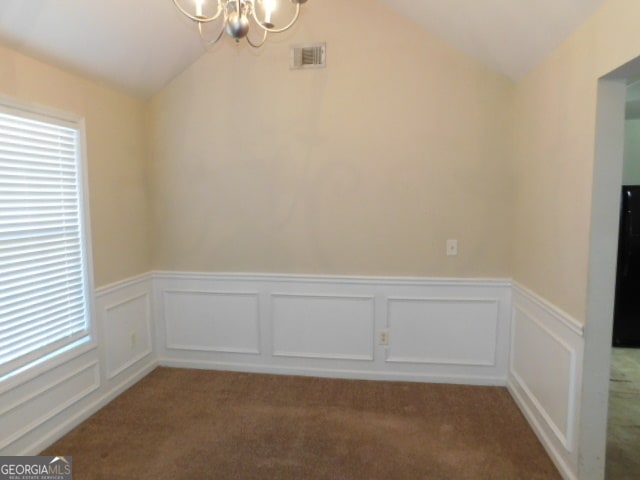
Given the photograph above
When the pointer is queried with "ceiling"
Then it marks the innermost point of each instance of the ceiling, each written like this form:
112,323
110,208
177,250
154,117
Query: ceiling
509,36
140,45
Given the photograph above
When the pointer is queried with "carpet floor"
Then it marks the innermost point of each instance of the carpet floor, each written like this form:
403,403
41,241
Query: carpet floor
192,424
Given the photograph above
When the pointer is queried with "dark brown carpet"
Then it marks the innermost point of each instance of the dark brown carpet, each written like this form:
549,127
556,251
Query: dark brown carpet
190,424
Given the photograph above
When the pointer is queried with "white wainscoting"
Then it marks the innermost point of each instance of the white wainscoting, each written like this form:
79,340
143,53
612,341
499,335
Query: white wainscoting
461,331
42,404
545,374
438,330
211,321
33,407
127,332
329,327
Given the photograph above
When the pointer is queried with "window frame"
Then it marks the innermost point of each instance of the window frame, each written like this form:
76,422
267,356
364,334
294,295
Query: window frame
87,342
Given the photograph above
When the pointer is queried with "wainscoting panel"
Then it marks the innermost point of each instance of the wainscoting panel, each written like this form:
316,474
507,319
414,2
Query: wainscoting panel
35,407
443,331
43,403
551,394
440,330
545,374
317,326
127,332
212,321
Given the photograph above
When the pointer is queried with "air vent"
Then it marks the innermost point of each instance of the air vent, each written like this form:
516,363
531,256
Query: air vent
308,56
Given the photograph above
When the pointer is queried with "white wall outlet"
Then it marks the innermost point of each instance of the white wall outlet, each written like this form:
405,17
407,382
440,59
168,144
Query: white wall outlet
133,340
452,247
383,337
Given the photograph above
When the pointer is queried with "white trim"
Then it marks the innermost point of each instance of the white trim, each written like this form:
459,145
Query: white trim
560,315
438,361
87,240
147,297
123,284
602,261
368,299
324,356
56,410
129,364
566,437
360,280
47,387
217,293
52,361
480,380
359,352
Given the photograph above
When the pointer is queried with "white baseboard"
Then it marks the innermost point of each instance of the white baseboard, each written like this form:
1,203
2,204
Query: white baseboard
334,373
545,374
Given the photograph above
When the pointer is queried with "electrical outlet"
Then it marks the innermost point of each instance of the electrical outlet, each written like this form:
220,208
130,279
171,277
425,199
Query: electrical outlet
383,337
134,340
452,247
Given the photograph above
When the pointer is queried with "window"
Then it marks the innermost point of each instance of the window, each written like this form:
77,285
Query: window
44,304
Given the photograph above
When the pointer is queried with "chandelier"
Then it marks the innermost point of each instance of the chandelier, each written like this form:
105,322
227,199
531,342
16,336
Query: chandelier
236,17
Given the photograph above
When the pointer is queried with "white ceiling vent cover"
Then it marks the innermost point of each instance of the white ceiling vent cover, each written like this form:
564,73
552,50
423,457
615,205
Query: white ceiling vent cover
309,55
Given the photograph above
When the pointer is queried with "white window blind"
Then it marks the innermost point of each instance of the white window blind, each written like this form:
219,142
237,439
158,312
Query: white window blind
43,298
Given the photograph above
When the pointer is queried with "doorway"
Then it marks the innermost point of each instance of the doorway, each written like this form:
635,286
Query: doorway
623,430
607,181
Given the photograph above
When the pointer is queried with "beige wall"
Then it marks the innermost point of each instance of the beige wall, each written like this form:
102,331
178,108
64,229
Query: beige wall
116,158
554,147
365,167
555,108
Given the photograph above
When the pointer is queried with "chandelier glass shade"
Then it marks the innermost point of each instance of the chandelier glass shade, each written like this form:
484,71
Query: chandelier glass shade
237,17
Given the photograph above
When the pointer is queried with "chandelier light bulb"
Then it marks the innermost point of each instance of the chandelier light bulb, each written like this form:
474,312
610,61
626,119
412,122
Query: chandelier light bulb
199,5
269,8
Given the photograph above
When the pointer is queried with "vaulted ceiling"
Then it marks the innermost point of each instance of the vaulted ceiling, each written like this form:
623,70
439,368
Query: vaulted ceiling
140,45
